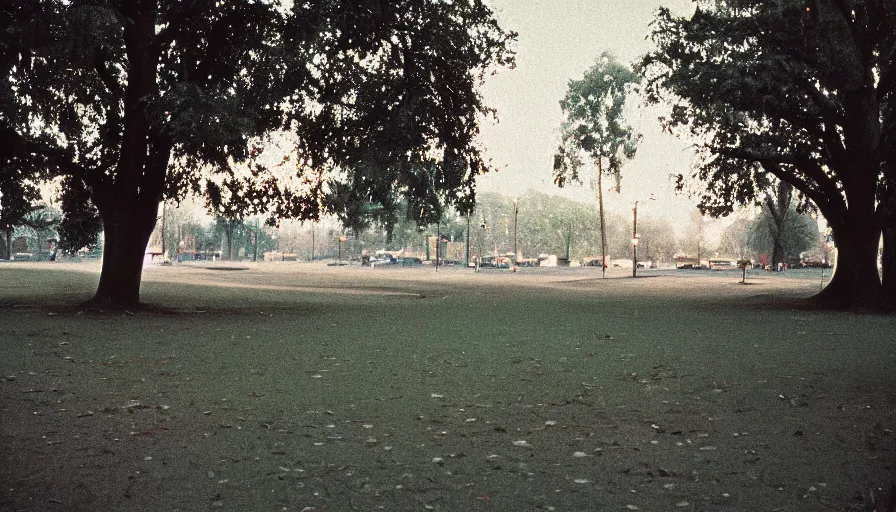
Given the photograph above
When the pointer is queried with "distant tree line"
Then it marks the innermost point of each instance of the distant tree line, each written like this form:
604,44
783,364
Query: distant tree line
545,224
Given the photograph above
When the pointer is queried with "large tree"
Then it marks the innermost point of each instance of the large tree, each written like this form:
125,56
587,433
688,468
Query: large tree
794,90
144,100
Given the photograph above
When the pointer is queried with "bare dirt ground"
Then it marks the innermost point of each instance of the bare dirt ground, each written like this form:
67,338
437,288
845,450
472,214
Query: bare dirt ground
300,387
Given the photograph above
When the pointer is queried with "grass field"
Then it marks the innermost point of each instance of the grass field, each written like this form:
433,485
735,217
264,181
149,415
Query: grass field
302,387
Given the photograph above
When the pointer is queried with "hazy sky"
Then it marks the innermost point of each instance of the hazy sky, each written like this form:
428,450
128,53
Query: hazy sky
558,41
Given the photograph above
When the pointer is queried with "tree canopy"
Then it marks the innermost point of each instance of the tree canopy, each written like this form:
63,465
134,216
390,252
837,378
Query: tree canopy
794,90
138,101
595,123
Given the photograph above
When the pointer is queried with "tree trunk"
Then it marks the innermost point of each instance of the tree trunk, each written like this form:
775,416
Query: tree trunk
603,229
856,283
123,255
887,210
777,251
778,208
9,244
229,239
888,266
128,201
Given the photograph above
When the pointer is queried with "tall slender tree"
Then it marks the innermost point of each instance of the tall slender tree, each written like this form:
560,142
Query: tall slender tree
595,126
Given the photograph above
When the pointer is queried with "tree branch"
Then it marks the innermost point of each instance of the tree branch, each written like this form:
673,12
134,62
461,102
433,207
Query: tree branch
152,181
827,185
773,211
112,85
824,185
822,190
829,110
58,162
167,35
887,82
24,147
756,156
834,144
826,205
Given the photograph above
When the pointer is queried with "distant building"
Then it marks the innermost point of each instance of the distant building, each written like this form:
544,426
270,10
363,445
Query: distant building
686,261
723,263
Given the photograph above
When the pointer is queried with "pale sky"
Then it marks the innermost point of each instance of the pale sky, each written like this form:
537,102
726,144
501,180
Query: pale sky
558,41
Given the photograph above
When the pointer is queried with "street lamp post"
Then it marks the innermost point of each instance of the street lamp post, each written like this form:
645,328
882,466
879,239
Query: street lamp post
484,226
635,238
164,214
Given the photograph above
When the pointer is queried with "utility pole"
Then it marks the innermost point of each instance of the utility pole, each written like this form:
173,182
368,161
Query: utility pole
255,256
516,209
467,253
164,214
479,238
635,242
568,236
